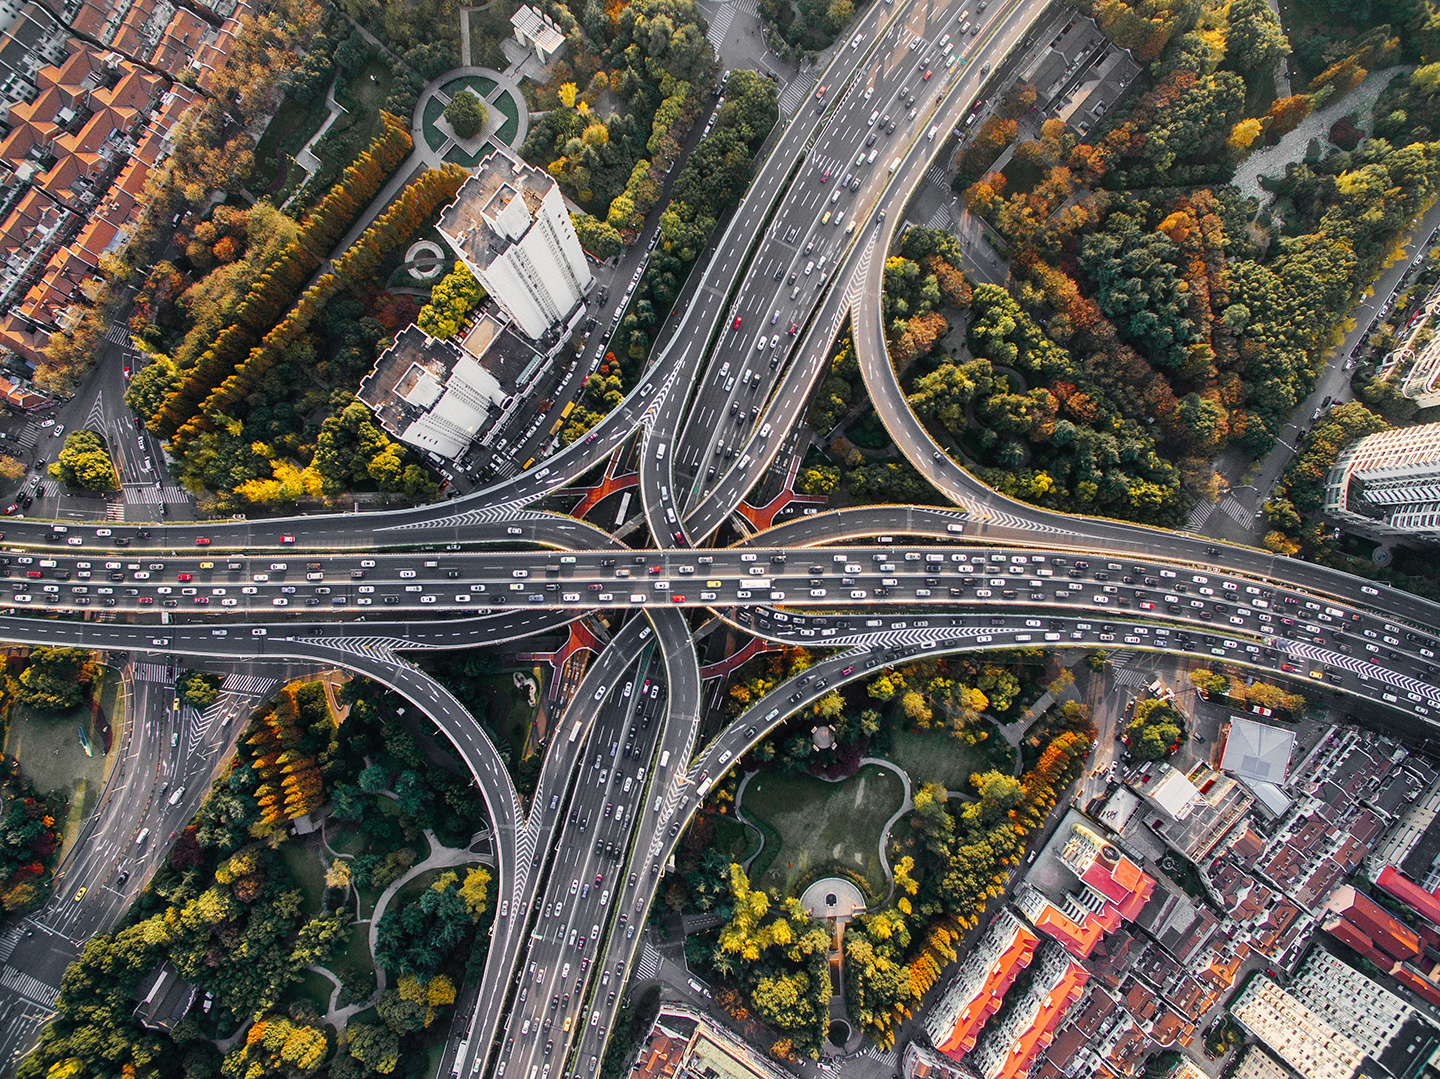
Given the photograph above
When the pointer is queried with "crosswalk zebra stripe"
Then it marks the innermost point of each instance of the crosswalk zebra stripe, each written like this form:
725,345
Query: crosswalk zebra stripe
32,989
1199,514
1235,511
248,685
720,25
10,939
149,672
1132,679
649,963
150,496
795,94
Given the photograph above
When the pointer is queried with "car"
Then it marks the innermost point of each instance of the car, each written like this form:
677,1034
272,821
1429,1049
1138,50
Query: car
202,541
184,577
57,430
287,539
514,531
74,541
825,176
102,532
928,73
736,324
793,327
80,895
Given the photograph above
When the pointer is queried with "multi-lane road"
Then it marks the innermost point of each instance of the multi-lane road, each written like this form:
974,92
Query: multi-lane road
580,864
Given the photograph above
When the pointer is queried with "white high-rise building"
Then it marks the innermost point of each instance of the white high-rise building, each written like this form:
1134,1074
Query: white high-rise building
509,225
1388,483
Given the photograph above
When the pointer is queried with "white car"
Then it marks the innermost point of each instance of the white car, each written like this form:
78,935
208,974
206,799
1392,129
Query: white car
513,531
513,573
279,601
48,423
249,590
74,541
229,602
427,599
405,573
102,532
367,563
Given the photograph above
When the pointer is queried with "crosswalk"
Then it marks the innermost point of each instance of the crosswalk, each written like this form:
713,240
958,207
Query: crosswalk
1199,514
1232,508
118,334
248,685
149,495
938,175
1120,659
649,963
32,989
1131,679
9,939
940,219
114,511
720,25
150,672
795,94
28,436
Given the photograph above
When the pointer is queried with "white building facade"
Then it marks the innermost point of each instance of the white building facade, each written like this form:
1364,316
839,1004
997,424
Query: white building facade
1388,483
510,226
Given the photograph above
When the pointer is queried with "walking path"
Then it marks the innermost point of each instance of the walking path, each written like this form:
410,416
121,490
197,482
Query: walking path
305,156
1273,160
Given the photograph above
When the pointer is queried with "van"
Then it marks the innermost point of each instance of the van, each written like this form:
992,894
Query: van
144,835
175,798
930,135
660,452
894,164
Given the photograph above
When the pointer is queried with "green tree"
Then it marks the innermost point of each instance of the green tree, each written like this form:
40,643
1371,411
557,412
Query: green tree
56,679
466,114
198,689
84,463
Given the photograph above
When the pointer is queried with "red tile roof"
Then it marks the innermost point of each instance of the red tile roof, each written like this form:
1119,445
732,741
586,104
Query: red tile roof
1401,887
1387,931
1002,973
1033,1039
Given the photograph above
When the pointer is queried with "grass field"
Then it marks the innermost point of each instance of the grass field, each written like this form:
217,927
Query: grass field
506,104
305,867
293,126
935,757
822,822
434,137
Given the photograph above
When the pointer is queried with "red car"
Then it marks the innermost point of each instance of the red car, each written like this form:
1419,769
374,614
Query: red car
677,599
824,176
793,327
736,324
184,577
145,600
289,539
202,541
928,73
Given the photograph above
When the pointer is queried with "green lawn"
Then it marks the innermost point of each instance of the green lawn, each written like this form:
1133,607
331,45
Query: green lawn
316,988
51,750
822,822
506,104
935,757
293,126
479,83
434,137
304,865
458,155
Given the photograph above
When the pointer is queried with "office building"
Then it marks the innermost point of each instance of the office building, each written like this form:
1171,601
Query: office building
1388,483
509,225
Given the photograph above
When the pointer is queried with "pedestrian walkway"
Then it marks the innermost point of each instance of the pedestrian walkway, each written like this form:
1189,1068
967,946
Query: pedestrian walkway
31,989
149,495
795,94
1199,514
648,964
248,685
150,672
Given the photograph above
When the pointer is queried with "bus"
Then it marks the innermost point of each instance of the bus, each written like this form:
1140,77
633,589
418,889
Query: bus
574,734
565,412
555,427
527,464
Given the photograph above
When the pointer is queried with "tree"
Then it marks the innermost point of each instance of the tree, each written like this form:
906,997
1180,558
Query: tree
451,299
198,689
11,469
84,463
1254,41
466,114
1155,730
56,679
